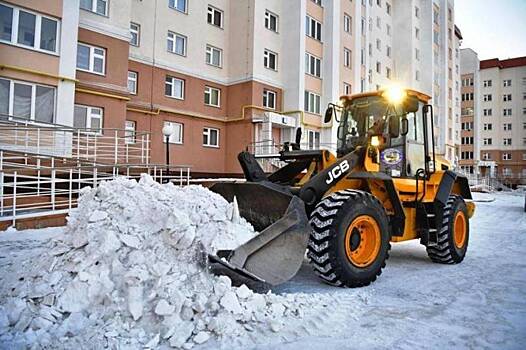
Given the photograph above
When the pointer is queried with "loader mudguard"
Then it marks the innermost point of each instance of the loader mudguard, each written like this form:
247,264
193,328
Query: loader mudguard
313,190
452,182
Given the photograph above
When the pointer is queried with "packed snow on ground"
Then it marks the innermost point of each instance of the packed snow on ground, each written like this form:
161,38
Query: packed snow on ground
118,276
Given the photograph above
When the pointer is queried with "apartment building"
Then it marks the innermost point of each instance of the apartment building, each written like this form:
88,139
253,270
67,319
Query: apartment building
226,75
503,104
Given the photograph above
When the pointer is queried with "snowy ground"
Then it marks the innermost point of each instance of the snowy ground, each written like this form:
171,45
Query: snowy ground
480,303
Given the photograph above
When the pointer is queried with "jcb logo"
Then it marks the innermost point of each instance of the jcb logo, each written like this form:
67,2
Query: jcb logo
338,171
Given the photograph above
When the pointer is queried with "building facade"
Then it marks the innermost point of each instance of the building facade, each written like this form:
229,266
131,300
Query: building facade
226,75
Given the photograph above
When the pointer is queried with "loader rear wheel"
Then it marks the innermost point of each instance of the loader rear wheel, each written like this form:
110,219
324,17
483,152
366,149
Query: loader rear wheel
349,241
453,235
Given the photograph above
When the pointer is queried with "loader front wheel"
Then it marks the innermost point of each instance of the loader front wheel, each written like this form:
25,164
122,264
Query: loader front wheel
453,235
349,241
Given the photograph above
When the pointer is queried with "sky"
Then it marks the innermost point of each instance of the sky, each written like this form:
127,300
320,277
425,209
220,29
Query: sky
492,28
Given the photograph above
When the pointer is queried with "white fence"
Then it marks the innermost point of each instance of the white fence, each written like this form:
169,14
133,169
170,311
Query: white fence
104,146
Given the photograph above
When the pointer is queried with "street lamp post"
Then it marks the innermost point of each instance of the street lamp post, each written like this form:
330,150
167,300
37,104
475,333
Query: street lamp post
168,130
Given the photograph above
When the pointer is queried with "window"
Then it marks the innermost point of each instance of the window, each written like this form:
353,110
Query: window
347,89
417,12
468,140
417,33
132,82
378,44
271,21
313,139
507,142
27,100
436,37
487,97
506,172
270,60
488,112
312,102
312,65
417,75
214,56
378,22
317,2
506,97
210,137
28,29
388,72
379,3
486,83
176,43
347,60
96,6
212,96
215,17
129,131
347,23
388,51
313,28
362,56
507,83
388,8
370,49
269,99
135,31
506,112
488,126
468,96
417,54
506,126
179,5
487,141
174,87
87,117
506,156
486,156
378,67
177,135
91,58
388,29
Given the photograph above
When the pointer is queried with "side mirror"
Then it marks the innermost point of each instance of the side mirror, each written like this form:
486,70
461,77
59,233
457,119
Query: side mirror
340,132
328,114
298,136
411,105
405,125
394,126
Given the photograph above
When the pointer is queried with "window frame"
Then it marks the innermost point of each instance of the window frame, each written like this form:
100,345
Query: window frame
92,59
13,41
308,66
266,93
213,49
89,114
129,133
94,8
347,23
267,21
137,32
209,90
347,86
177,9
180,137
207,132
183,87
309,28
311,136
174,43
32,110
211,10
316,101
347,53
266,59
135,80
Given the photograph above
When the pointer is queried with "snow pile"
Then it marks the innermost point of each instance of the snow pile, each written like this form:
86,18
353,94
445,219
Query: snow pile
127,272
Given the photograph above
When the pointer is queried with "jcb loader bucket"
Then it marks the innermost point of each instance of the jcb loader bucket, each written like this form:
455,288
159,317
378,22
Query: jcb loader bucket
275,255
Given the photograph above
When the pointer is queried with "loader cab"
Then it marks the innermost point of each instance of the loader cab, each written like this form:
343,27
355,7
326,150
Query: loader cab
392,126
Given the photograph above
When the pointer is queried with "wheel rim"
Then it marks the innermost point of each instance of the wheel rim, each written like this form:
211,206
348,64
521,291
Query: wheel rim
362,241
460,229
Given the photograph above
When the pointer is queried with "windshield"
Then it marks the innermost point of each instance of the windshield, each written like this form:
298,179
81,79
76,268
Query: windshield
362,118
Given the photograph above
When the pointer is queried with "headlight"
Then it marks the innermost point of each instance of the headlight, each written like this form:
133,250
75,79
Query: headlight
375,141
394,94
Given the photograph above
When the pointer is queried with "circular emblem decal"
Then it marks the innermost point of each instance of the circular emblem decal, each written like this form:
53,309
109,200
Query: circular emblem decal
391,156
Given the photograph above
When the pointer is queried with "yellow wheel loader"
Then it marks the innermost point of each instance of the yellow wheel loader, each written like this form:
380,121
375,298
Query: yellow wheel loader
385,185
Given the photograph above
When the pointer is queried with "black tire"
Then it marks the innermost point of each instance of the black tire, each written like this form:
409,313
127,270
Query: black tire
327,251
447,251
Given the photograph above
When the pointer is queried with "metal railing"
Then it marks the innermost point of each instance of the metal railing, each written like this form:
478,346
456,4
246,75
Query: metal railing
31,191
107,146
